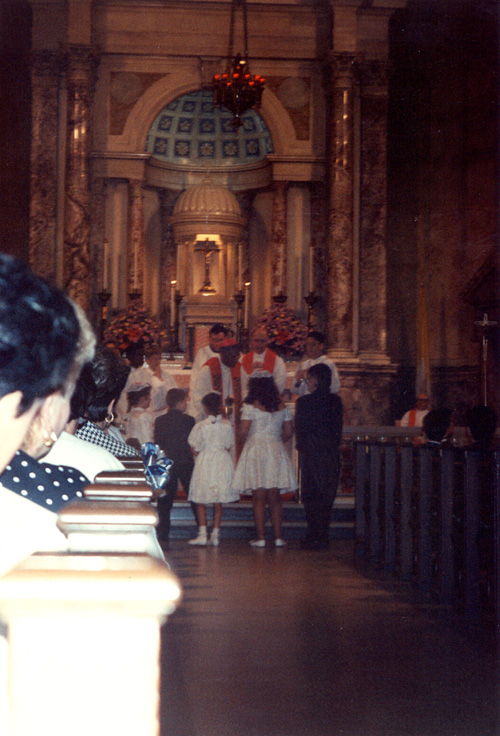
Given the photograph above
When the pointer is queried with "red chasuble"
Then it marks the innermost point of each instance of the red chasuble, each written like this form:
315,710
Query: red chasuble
268,364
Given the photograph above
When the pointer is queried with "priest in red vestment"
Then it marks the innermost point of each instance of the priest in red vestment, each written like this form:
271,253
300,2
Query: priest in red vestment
261,358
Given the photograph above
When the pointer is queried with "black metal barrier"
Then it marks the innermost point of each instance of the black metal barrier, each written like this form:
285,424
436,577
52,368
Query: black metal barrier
431,517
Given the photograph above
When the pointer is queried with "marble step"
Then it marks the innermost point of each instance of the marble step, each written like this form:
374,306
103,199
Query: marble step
237,520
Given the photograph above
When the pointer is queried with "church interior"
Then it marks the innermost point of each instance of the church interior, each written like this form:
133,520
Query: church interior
365,181
359,188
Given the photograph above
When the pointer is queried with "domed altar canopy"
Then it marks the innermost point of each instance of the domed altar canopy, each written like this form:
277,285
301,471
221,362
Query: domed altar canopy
204,210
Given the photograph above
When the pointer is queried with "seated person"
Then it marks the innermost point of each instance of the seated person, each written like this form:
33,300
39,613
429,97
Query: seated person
87,457
415,417
105,377
482,423
437,426
44,340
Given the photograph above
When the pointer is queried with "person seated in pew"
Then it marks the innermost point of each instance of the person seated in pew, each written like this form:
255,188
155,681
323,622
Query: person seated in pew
415,417
105,378
437,427
44,341
482,423
87,457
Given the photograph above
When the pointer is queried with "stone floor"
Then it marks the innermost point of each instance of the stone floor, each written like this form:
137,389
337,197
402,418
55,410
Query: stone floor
292,643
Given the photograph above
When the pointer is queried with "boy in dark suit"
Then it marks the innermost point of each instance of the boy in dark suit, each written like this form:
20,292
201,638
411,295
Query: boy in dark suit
171,432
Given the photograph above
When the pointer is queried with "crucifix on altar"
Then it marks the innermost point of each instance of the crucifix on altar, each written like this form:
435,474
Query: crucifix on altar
207,247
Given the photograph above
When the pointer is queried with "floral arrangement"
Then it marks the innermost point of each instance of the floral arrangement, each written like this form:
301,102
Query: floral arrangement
134,326
287,333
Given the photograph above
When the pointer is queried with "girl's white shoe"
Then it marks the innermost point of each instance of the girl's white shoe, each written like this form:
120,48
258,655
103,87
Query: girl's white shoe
258,543
214,539
199,541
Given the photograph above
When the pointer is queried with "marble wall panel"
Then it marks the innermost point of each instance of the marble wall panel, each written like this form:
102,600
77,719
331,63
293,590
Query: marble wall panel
46,71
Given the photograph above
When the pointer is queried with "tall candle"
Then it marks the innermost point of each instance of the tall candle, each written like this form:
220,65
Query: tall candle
135,266
105,278
178,263
311,268
172,303
247,300
240,272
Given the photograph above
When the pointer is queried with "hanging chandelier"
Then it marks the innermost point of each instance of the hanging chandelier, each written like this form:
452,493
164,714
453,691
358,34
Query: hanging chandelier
237,89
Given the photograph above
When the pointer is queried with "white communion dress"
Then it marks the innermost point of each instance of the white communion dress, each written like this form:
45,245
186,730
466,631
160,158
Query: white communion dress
213,471
264,461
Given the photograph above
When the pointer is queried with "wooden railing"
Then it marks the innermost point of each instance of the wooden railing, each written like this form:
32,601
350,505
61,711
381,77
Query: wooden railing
431,517
84,625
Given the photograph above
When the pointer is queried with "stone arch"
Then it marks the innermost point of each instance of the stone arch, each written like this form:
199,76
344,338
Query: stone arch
150,104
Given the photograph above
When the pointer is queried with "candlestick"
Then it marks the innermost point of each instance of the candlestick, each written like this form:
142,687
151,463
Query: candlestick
247,301
178,264
135,266
172,302
311,268
105,278
311,300
104,297
240,271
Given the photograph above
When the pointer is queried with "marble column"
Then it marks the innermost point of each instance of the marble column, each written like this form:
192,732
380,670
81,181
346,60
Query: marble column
98,231
340,229
245,200
78,267
97,247
135,254
278,238
319,250
45,75
373,210
168,250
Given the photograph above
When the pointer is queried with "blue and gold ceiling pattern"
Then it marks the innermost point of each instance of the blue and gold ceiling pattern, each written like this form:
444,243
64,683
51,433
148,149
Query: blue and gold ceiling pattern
189,130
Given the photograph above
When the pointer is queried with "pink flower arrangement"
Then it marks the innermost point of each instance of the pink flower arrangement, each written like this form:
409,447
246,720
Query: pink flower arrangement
287,333
134,326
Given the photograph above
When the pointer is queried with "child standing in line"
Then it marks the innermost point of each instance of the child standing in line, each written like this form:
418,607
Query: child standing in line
171,432
264,469
139,419
211,440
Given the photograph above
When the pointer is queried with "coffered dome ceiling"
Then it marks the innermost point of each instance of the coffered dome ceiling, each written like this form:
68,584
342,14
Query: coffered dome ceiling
189,130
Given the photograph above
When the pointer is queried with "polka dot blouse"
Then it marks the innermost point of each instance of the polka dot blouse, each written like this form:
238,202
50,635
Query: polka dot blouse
50,486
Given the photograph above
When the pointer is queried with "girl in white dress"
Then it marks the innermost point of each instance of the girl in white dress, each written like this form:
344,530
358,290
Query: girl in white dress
211,440
264,469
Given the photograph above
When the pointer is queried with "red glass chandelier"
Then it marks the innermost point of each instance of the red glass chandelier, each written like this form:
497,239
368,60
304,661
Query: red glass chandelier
237,89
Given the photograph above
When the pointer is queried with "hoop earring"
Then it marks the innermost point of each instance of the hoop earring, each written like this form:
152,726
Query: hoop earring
49,438
110,418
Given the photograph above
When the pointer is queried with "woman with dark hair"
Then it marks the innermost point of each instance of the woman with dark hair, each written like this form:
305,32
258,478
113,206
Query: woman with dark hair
101,385
318,428
44,340
264,469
